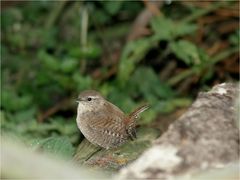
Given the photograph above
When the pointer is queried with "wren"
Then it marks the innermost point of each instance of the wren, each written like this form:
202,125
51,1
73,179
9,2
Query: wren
104,124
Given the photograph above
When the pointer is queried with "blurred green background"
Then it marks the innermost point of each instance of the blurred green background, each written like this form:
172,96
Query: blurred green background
133,52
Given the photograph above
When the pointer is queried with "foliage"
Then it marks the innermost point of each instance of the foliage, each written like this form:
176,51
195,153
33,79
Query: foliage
59,146
45,63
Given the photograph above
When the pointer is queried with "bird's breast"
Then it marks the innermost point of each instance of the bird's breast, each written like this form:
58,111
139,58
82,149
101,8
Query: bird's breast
83,113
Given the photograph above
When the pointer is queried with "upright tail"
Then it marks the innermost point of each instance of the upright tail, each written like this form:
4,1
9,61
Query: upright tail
131,121
136,112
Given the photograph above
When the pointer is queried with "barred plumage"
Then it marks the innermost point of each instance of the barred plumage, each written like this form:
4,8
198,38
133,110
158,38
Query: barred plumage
103,123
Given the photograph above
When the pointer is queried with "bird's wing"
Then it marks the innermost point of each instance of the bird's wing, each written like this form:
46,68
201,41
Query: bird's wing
108,125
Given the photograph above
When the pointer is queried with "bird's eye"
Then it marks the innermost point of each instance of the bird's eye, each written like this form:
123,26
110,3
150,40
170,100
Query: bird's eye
89,99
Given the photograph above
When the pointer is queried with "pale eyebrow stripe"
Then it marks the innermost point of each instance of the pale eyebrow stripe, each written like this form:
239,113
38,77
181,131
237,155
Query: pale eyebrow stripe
93,97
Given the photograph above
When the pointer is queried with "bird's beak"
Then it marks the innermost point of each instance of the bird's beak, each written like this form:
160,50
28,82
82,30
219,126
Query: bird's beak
78,100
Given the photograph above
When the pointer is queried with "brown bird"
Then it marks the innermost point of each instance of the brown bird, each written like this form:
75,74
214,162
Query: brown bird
103,123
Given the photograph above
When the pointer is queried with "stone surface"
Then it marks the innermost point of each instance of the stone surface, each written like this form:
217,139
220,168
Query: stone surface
205,137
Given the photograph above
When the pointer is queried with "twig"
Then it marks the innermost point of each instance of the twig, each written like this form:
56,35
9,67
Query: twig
55,14
84,27
202,12
152,7
53,110
84,34
139,27
167,71
174,80
223,55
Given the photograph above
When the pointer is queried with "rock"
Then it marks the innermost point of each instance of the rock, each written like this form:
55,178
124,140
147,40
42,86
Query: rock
205,137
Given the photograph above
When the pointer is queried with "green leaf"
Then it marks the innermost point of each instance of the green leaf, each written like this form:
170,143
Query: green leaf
11,101
186,51
100,17
234,38
9,17
117,97
90,51
59,146
167,29
184,29
148,116
162,27
146,82
205,58
2,117
25,115
69,65
49,61
81,82
207,75
112,7
133,52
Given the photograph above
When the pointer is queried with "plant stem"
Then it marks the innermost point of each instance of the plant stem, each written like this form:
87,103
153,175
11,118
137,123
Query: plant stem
202,12
221,56
55,13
